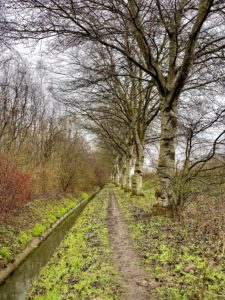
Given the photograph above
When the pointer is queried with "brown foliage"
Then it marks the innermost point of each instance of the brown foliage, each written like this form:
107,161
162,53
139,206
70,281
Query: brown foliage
15,185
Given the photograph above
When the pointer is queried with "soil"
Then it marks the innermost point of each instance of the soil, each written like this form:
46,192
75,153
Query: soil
135,281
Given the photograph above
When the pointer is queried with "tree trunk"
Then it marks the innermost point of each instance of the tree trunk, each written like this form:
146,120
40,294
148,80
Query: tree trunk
129,167
123,176
117,179
117,173
112,178
166,164
138,171
128,174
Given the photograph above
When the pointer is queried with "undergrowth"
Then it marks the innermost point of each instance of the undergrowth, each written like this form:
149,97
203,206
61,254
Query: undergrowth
182,255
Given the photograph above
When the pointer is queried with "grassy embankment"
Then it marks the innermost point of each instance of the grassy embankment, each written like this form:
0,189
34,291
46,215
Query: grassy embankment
20,227
81,268
185,257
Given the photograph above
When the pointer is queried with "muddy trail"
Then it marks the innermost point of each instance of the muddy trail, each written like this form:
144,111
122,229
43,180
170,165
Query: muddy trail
135,282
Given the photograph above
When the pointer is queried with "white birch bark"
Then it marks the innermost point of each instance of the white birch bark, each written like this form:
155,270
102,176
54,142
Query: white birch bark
166,164
138,170
117,172
129,166
123,176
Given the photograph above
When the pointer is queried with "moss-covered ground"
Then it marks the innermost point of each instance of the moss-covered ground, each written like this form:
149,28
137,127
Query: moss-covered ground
81,268
184,255
20,227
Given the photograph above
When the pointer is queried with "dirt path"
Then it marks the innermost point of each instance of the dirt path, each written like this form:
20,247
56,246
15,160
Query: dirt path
134,279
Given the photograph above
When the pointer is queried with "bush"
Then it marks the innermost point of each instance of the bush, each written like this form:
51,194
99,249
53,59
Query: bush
15,185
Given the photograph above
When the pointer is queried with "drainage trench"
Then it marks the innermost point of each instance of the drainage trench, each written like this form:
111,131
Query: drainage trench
15,287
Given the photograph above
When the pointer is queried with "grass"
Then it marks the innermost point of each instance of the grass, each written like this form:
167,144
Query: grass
81,267
18,230
184,257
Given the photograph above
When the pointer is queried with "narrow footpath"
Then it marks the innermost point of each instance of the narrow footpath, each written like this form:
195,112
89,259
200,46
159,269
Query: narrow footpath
135,281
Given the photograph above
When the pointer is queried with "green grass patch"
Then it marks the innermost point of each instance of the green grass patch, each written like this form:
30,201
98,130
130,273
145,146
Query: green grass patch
24,238
84,195
38,230
61,211
5,254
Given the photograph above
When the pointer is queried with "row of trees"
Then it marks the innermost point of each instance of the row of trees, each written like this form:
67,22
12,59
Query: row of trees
125,115
147,71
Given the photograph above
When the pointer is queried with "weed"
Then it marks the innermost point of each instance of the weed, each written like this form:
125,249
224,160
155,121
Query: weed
24,238
84,195
38,230
4,253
